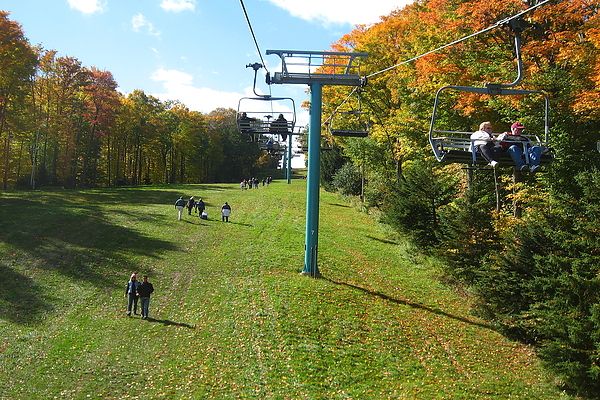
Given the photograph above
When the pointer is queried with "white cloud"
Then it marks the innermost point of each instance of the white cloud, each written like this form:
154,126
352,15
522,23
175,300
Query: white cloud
86,6
139,21
172,77
340,11
179,86
178,5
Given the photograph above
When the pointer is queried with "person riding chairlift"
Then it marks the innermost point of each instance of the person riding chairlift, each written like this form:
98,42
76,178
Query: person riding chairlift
279,127
517,145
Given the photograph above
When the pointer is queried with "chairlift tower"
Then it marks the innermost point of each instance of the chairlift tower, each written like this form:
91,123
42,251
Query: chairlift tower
288,165
315,69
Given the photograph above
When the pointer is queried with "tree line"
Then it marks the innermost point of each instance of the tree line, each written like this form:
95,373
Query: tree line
534,273
64,124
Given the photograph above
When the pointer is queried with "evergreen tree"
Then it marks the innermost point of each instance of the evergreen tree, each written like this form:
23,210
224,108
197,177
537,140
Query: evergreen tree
331,162
416,199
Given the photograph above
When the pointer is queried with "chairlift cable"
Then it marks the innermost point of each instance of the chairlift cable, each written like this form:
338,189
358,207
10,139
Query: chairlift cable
253,36
338,107
499,23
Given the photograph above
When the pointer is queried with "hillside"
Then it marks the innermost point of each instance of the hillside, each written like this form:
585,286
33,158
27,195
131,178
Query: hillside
231,316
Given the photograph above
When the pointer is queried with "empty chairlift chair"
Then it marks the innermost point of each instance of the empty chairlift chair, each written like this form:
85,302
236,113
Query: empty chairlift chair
353,123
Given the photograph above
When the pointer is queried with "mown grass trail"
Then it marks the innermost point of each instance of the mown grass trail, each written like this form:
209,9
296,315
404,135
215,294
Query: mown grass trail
232,317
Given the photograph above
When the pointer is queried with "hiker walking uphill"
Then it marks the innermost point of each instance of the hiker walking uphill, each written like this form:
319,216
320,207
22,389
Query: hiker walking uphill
179,204
225,212
200,206
190,205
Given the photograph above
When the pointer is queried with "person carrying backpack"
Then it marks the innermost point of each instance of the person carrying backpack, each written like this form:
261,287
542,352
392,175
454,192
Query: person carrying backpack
225,212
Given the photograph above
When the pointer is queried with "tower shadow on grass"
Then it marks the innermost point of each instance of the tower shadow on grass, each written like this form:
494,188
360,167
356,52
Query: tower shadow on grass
432,310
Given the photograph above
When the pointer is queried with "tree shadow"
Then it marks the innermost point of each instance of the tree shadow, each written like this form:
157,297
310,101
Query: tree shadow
69,236
239,223
21,299
413,305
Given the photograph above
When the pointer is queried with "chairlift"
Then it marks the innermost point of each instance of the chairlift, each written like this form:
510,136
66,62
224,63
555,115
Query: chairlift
264,115
353,123
455,145
258,116
269,145
350,122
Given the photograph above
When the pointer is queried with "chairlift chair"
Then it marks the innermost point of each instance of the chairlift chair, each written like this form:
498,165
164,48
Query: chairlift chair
257,116
455,146
350,122
353,123
268,144
264,114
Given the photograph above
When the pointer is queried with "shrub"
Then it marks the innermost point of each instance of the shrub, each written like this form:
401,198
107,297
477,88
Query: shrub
467,233
331,162
348,180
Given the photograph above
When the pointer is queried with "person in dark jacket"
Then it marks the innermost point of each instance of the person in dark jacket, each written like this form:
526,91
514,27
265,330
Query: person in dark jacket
145,289
517,146
225,212
200,207
132,294
190,205
279,127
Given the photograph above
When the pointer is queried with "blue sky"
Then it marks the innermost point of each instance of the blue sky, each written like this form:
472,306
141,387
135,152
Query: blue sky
195,51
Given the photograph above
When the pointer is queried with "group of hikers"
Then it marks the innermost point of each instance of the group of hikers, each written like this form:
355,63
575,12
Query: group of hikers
136,290
254,182
199,208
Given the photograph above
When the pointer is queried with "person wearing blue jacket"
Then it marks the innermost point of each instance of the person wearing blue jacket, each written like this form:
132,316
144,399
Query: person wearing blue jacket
132,294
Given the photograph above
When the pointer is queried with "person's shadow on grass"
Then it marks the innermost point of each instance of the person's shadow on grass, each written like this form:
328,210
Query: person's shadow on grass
237,223
166,322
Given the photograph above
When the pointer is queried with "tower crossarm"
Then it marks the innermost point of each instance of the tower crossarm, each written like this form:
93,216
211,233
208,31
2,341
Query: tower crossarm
325,67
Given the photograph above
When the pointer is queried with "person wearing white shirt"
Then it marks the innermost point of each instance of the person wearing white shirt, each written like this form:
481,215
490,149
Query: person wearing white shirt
483,140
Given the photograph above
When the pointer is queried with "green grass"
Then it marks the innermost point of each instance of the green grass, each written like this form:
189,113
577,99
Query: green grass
231,316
